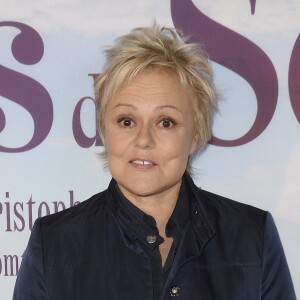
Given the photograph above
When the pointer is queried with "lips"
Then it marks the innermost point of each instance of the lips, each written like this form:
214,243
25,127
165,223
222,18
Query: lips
142,163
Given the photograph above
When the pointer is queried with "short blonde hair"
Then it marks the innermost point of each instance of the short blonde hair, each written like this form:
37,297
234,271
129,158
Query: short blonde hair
158,47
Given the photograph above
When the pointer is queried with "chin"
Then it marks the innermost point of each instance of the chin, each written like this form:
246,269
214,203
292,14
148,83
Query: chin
142,189
138,186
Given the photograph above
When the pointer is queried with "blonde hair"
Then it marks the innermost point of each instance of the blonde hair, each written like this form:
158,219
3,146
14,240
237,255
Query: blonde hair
150,47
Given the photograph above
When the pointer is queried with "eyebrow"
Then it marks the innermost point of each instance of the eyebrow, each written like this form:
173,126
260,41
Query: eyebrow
156,108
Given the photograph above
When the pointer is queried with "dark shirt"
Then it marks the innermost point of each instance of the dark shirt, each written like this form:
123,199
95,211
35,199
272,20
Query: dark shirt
101,249
146,227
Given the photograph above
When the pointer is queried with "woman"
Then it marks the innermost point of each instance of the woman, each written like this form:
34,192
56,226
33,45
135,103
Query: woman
153,234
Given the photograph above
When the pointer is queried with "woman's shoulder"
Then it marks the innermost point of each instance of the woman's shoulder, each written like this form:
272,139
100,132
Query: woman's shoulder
229,205
235,210
75,214
224,208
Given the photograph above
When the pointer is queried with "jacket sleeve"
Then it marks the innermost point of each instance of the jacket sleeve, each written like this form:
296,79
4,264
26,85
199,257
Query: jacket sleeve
30,284
276,282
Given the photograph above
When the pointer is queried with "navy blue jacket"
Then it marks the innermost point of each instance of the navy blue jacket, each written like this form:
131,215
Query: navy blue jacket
229,251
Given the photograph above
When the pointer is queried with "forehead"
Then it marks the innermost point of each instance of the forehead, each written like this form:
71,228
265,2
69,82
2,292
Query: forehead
154,87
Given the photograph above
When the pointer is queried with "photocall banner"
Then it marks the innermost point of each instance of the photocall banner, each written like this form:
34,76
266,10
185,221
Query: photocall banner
50,54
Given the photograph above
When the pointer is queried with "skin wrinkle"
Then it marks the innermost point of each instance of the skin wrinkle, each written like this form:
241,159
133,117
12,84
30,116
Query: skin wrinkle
161,107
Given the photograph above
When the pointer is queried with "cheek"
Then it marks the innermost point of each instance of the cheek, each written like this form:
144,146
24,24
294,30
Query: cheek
111,143
116,144
114,154
176,146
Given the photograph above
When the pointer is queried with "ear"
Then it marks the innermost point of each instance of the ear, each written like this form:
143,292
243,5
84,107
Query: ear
194,145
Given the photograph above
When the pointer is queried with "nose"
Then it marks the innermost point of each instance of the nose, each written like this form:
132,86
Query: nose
145,137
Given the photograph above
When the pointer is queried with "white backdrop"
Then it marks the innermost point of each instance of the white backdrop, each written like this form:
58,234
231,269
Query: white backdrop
48,154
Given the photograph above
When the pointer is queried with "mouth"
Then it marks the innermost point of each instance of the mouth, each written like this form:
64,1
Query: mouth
142,164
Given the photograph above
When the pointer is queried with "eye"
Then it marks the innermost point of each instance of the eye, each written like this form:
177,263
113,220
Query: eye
167,123
125,122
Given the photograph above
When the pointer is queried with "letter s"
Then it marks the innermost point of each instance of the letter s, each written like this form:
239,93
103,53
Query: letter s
294,78
27,48
236,53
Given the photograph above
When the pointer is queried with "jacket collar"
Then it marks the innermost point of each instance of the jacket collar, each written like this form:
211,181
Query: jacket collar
199,230
200,220
138,225
134,224
197,234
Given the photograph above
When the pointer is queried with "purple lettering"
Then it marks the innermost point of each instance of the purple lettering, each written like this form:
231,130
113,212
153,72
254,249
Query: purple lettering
40,210
57,204
7,204
28,49
19,216
2,120
11,263
236,53
72,203
94,75
30,203
79,135
294,78
252,4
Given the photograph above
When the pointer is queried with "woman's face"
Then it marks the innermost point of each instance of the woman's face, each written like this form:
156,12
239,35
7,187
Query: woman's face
149,134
